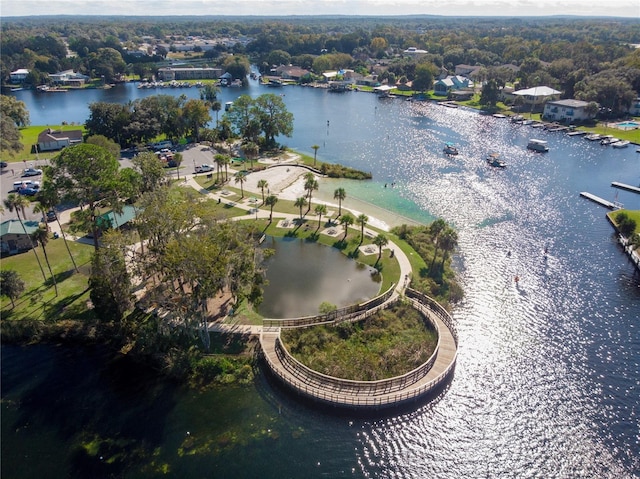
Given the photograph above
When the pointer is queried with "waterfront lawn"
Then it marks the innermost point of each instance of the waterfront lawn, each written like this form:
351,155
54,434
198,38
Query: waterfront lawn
29,137
39,301
390,343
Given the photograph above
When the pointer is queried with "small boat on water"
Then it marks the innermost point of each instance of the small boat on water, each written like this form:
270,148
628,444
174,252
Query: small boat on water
538,145
450,149
621,144
608,140
494,160
593,137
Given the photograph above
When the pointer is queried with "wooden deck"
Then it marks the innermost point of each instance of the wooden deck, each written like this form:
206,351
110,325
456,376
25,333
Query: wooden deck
368,394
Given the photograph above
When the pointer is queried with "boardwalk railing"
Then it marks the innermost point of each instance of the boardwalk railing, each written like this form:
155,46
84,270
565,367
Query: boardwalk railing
339,315
369,394
435,308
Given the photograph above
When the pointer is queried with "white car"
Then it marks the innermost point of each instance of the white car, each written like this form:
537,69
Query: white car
31,172
204,168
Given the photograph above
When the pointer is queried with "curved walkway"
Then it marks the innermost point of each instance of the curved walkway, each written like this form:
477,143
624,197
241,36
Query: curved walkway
367,394
343,393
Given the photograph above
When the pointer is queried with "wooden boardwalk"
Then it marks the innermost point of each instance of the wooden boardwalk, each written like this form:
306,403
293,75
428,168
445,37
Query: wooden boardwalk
368,394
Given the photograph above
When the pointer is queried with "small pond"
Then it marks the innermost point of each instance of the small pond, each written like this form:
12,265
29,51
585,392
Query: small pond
301,275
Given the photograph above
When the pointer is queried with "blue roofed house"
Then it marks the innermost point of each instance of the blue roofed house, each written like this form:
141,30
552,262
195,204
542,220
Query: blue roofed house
13,238
451,83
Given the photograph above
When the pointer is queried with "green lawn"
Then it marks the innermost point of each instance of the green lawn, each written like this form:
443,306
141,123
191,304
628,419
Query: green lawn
30,138
39,301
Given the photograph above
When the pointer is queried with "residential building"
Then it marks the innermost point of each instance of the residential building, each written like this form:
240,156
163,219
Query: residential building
534,98
467,70
13,238
199,73
19,75
456,82
52,140
69,78
566,110
415,52
290,72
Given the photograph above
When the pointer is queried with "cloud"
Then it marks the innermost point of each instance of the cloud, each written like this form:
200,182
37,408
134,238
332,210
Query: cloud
623,8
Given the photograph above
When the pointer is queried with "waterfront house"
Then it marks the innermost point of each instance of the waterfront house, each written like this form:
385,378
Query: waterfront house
443,86
13,239
290,72
566,110
19,75
53,140
69,78
533,99
196,73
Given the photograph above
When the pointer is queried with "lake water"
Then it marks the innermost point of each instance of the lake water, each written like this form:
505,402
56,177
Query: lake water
547,382
302,275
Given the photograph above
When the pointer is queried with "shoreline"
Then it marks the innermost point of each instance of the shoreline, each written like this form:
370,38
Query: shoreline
288,184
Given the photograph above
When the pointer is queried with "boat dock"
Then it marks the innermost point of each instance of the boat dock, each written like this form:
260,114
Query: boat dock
622,186
601,201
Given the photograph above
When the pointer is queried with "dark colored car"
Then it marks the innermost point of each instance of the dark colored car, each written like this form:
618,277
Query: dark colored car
28,191
51,215
3,164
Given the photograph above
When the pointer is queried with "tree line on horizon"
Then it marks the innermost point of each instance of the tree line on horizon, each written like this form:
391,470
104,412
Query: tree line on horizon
591,59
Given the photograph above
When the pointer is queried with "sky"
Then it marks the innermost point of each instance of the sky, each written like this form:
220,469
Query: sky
600,8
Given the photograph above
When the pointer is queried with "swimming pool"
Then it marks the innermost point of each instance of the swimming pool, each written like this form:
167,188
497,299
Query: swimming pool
628,124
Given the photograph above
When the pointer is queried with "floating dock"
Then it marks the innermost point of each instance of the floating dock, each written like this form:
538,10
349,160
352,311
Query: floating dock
601,201
622,186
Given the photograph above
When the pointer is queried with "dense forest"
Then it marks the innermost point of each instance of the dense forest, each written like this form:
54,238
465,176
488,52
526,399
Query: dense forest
593,59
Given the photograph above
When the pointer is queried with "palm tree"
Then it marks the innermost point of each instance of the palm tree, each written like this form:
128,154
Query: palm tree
18,203
300,203
315,153
262,184
41,235
226,161
380,241
448,242
216,106
339,194
271,201
219,161
48,199
320,210
346,220
251,151
240,177
362,220
436,228
40,208
310,185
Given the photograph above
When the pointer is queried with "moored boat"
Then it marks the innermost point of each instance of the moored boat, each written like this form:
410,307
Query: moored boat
621,144
494,160
538,145
593,137
450,149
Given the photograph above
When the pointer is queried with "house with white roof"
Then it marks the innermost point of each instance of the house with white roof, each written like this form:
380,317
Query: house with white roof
69,77
535,98
19,75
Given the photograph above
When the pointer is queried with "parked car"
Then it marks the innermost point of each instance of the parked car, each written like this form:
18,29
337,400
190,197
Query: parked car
51,215
31,172
18,185
28,191
3,164
204,168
